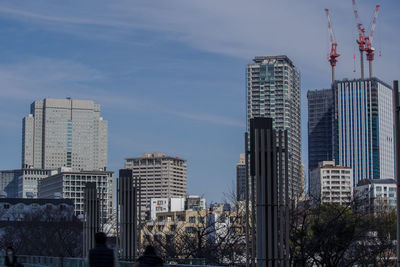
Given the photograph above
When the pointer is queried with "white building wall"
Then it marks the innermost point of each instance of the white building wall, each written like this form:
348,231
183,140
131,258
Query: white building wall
177,204
386,132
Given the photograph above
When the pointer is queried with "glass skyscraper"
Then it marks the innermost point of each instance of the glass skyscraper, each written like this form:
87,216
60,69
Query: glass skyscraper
320,119
363,128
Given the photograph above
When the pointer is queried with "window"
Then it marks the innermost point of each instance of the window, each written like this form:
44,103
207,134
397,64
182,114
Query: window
192,219
190,230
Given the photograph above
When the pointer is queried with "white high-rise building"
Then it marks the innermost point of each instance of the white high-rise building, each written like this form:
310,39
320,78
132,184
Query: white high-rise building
273,91
363,128
160,176
64,133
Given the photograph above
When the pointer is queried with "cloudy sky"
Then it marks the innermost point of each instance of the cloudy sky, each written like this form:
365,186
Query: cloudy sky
169,75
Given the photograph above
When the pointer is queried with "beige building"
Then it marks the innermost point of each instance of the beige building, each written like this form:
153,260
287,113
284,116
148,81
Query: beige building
209,225
64,133
160,176
330,183
68,184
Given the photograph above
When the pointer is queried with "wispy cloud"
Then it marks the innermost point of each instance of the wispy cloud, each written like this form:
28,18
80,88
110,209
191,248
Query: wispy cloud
235,28
209,118
44,77
40,76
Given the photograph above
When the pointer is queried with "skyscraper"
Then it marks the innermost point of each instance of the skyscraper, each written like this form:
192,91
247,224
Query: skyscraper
363,128
320,119
64,133
241,178
160,176
273,91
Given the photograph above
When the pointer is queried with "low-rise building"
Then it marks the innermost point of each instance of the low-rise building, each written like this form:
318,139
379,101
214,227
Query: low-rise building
375,195
330,183
20,209
158,205
70,185
22,183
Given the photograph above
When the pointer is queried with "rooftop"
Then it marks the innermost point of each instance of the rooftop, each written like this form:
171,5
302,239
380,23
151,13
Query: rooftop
376,181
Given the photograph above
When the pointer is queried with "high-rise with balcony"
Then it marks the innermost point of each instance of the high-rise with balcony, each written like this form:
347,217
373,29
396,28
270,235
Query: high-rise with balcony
64,133
363,128
273,91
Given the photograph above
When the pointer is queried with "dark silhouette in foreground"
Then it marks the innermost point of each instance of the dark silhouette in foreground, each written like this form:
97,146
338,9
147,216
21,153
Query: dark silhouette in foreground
10,258
149,258
101,255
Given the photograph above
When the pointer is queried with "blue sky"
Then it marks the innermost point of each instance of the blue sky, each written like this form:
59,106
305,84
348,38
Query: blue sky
169,75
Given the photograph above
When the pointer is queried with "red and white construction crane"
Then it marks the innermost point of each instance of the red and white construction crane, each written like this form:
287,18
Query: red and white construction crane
333,44
365,42
368,45
361,37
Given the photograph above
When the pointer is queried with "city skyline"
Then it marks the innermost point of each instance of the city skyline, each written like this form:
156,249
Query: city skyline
153,70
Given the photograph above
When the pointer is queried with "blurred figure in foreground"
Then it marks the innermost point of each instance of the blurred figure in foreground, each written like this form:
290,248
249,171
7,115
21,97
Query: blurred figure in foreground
149,258
101,255
11,259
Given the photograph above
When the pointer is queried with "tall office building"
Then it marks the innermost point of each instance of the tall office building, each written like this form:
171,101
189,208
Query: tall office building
363,128
320,119
64,133
273,91
160,176
241,178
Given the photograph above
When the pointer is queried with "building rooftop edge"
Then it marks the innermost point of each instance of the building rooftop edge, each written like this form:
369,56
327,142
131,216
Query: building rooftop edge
160,157
368,79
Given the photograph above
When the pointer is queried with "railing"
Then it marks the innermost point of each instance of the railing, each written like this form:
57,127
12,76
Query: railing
44,261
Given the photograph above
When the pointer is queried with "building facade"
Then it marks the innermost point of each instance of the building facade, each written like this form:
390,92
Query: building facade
70,184
175,204
159,176
273,91
20,209
320,121
64,133
241,178
330,183
363,128
28,182
376,195
9,182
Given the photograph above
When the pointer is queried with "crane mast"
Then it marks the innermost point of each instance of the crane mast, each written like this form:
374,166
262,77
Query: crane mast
361,38
368,47
333,44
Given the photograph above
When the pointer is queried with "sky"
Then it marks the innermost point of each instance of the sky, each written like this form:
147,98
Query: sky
170,75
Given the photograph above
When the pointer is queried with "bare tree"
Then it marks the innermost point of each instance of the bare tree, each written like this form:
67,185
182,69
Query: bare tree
44,232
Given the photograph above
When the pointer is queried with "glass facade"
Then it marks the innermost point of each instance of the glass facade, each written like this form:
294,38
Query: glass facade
320,112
